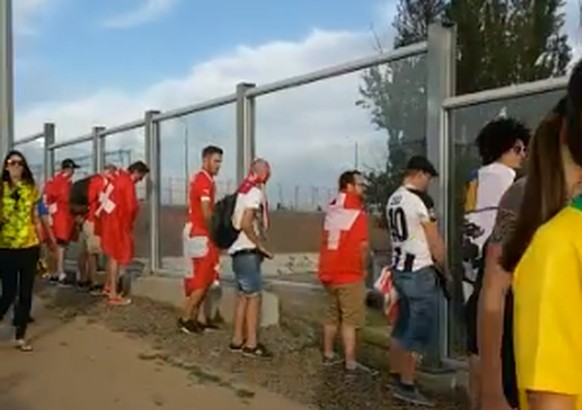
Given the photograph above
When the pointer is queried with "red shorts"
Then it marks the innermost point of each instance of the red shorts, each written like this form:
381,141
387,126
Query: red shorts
204,271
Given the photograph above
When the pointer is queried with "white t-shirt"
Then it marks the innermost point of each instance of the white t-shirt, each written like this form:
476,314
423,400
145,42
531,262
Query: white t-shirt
407,209
254,199
492,182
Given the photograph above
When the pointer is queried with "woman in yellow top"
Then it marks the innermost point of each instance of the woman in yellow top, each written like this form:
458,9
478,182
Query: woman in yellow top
545,255
19,242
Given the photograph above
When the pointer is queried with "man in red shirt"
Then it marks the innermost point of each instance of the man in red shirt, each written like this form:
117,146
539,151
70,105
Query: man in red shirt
90,229
117,211
56,197
198,246
342,267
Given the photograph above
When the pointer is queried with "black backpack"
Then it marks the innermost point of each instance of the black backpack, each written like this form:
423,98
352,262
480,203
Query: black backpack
79,197
222,231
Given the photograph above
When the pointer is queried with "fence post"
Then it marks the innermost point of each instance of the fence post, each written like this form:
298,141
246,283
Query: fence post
6,79
49,152
152,145
440,83
98,149
245,130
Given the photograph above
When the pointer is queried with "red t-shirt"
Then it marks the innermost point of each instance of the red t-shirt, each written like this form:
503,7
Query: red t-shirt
96,186
345,230
202,189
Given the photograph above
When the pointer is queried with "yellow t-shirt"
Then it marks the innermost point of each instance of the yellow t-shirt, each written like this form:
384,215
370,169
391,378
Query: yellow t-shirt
18,206
548,306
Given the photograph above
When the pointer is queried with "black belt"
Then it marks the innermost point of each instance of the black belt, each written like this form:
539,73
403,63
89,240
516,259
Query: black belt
252,251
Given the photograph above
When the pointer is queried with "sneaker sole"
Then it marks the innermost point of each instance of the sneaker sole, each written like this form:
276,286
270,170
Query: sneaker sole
405,399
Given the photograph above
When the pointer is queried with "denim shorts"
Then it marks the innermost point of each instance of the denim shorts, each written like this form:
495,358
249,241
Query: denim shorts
418,294
246,265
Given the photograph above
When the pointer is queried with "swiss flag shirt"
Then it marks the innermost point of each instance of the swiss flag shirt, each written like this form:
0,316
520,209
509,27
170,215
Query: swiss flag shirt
202,189
345,230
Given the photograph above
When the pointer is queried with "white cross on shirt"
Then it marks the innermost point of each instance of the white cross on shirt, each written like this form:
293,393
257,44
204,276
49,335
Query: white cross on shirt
338,219
105,202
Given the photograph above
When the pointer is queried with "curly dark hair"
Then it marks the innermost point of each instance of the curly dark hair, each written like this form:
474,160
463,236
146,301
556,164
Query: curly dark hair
499,136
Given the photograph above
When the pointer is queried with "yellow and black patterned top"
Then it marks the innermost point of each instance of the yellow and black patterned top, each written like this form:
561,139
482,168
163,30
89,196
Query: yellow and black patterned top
18,207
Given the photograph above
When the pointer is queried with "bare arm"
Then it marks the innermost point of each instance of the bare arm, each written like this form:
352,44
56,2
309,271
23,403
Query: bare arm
550,401
496,283
206,213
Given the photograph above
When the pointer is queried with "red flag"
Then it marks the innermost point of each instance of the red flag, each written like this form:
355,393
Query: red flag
118,208
56,197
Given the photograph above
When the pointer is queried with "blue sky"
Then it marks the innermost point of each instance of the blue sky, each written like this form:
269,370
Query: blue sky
78,47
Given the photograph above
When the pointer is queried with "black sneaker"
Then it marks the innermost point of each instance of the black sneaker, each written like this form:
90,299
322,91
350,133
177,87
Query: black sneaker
258,352
189,326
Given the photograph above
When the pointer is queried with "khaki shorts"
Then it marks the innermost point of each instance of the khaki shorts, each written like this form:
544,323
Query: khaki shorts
88,238
346,304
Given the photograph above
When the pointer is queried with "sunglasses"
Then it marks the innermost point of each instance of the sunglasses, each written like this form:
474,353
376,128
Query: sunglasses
15,163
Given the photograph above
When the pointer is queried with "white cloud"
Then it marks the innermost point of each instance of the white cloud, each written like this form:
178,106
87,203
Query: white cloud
147,11
308,133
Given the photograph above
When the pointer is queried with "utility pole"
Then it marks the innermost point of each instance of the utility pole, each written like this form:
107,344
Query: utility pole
6,78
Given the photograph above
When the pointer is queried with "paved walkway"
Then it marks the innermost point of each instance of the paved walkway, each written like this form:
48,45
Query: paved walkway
85,365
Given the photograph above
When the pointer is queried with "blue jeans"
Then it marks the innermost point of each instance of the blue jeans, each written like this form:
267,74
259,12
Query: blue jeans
418,294
246,265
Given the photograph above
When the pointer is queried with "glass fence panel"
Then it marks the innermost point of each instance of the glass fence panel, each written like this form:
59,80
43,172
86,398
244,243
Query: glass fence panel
182,140
372,120
465,124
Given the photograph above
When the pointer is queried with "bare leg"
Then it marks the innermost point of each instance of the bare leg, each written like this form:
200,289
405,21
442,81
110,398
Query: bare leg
329,335
349,341
252,320
238,337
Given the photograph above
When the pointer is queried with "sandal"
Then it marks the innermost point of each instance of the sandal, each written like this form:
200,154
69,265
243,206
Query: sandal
23,345
119,301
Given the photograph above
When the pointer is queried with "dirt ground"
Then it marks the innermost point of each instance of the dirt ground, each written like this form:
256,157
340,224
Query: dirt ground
137,357
80,364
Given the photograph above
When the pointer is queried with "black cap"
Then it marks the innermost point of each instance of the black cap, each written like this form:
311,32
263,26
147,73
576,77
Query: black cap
420,163
69,164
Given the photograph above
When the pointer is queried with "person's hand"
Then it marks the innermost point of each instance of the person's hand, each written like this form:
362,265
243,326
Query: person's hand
267,254
495,401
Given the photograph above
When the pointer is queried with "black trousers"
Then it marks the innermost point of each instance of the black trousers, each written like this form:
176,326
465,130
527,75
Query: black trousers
17,273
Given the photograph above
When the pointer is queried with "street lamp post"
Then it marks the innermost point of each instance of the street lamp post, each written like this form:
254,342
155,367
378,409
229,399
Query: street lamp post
6,78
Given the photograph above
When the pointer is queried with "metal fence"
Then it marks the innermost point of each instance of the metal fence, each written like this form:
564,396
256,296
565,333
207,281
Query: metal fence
442,125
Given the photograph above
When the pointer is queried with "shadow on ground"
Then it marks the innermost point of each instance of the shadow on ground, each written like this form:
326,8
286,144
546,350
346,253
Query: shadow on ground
295,371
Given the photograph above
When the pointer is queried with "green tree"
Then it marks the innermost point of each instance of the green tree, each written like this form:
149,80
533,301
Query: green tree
500,42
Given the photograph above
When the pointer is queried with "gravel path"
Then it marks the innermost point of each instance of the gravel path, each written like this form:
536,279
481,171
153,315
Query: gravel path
295,372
